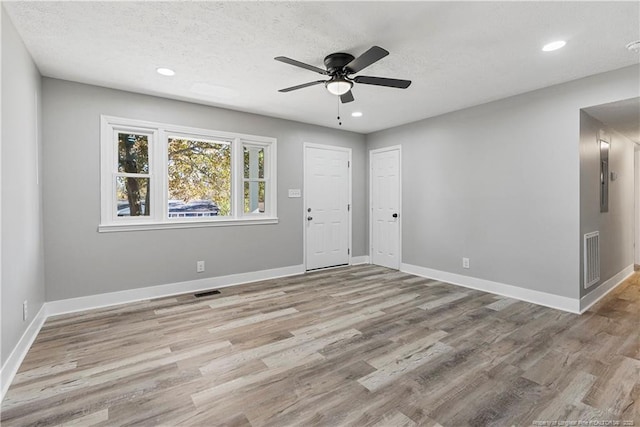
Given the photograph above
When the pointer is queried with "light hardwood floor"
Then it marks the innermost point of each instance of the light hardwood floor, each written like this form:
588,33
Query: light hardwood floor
361,345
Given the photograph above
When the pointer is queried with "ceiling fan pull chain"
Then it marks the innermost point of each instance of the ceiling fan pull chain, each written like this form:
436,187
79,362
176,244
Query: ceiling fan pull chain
339,122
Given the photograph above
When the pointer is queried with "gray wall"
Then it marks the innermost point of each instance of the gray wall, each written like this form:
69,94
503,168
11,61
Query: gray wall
22,257
499,183
80,261
636,220
616,226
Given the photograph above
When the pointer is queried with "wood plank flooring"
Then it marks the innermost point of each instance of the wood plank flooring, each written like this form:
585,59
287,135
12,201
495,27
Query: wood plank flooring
362,346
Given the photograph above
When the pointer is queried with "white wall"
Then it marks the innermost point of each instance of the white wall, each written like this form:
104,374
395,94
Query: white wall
617,225
499,183
22,250
80,261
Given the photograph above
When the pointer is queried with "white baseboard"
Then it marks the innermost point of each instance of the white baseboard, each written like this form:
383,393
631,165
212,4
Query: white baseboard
132,295
357,260
603,289
89,302
19,352
541,298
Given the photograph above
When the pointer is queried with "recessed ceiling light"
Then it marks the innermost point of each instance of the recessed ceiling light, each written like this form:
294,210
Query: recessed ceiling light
166,71
356,114
554,45
634,46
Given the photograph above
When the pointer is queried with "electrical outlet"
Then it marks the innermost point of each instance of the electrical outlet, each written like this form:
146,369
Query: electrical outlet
200,267
25,312
465,262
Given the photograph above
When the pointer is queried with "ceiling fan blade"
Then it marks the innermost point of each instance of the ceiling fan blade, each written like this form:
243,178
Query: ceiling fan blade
347,97
374,54
300,64
383,81
289,89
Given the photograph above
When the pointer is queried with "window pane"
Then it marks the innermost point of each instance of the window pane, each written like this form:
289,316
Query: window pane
254,192
253,162
199,177
133,153
133,196
192,209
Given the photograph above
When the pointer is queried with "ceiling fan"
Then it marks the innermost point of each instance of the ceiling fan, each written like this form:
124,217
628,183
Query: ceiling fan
339,67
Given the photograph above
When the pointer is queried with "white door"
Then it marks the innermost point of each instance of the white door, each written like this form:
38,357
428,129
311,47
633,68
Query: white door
385,207
327,205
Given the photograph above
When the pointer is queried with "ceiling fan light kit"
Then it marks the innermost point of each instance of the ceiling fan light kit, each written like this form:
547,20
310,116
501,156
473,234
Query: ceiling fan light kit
339,67
338,86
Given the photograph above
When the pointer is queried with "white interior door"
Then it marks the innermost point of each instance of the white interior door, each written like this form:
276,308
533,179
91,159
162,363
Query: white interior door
385,207
327,205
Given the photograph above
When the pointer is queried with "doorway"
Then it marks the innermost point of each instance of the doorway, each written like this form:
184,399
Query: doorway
327,206
385,198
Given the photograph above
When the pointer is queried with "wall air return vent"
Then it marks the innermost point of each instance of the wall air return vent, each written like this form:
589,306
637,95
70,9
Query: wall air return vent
591,258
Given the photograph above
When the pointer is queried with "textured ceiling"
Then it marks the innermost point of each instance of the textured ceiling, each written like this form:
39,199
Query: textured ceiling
457,54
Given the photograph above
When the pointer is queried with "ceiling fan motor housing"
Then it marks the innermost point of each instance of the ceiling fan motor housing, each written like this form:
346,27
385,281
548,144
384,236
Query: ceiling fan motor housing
336,62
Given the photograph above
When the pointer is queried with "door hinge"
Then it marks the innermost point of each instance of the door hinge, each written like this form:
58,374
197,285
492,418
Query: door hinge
348,164
348,208
348,251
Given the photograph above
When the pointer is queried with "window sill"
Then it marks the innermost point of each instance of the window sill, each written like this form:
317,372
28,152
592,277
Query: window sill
140,226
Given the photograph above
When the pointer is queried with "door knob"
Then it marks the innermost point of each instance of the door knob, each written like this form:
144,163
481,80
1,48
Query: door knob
395,215
309,218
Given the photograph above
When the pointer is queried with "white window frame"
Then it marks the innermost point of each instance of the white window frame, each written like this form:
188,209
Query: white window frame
158,136
267,175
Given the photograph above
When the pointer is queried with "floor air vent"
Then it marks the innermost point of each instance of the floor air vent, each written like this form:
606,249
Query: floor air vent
206,293
591,258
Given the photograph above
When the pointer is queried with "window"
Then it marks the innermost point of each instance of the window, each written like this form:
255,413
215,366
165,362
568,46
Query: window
255,181
199,172
164,176
132,177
